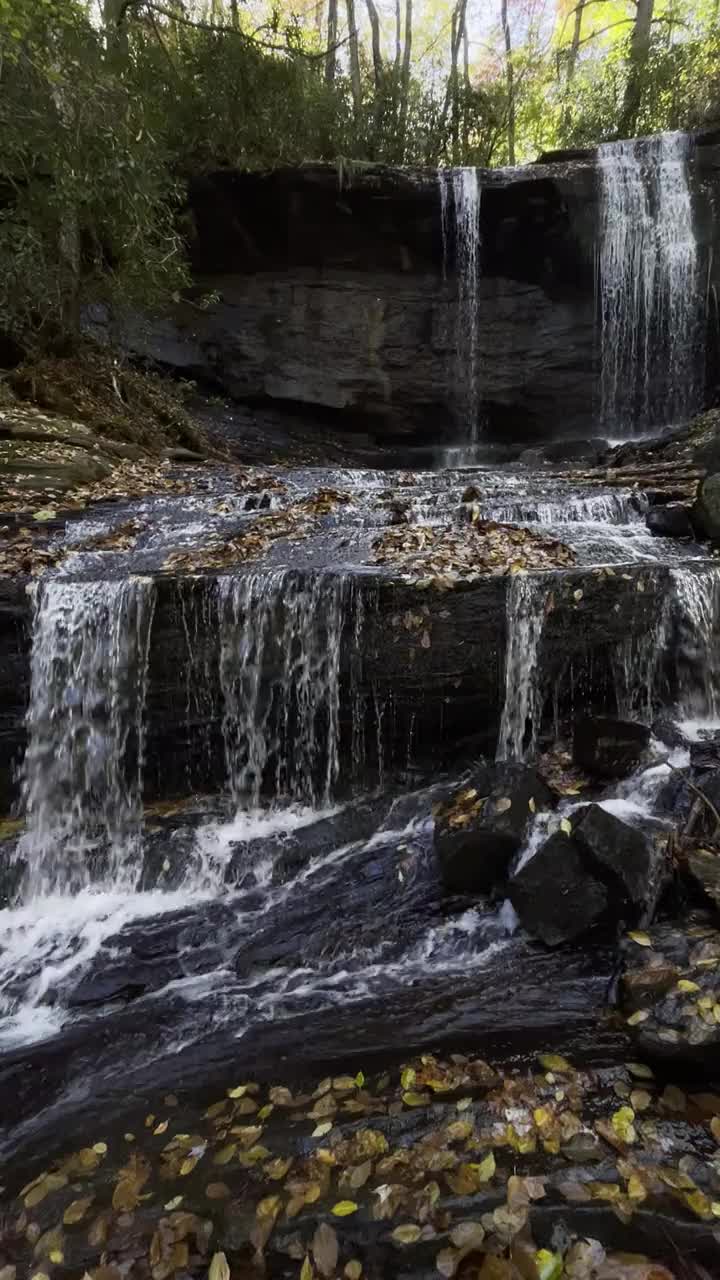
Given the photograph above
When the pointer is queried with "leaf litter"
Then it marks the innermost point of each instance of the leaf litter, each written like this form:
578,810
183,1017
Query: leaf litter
459,1183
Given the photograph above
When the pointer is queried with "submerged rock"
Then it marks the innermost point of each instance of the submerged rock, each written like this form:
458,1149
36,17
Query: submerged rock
482,826
669,991
670,521
555,896
608,748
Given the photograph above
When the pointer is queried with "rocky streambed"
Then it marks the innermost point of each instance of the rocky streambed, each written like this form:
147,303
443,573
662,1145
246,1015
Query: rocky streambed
347,797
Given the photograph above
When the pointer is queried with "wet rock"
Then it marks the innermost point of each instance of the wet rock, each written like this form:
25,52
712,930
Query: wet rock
608,748
706,510
290,851
633,866
703,869
555,896
679,1021
482,826
705,754
667,732
670,521
568,452
11,874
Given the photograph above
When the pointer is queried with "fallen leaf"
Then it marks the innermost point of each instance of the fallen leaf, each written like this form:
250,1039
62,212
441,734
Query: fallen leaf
344,1208
642,939
219,1269
325,1249
408,1233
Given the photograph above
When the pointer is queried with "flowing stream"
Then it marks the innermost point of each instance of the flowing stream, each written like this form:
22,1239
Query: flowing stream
460,218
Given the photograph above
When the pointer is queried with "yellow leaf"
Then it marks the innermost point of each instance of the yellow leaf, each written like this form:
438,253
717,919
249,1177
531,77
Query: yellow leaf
623,1124
219,1269
407,1078
553,1062
566,827
306,1271
225,1154
344,1208
416,1099
409,1233
237,1092
173,1204
359,1080
684,984
636,1188
353,1269
642,939
160,1128
531,805
503,804
76,1211
188,1165
635,1019
100,1148
485,1168
321,1129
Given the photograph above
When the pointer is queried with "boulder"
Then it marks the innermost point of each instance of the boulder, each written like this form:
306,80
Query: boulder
633,867
555,896
667,732
706,510
482,826
608,748
670,521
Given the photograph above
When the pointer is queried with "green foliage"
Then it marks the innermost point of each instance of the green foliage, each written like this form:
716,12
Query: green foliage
87,202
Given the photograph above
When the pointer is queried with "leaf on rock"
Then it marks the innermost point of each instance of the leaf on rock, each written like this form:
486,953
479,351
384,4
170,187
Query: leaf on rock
553,1062
503,804
549,1265
447,1261
76,1211
325,1249
642,939
407,1233
416,1099
344,1208
219,1269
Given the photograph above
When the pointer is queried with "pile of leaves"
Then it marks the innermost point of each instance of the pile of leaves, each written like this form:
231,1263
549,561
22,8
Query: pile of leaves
110,395
445,1157
128,479
296,521
444,555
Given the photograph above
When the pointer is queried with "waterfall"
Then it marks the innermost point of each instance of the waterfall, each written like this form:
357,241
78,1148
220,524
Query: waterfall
460,220
696,607
650,297
281,640
83,769
525,612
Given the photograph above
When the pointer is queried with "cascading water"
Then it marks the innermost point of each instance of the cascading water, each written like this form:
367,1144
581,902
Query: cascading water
280,672
83,768
460,219
696,610
650,298
525,612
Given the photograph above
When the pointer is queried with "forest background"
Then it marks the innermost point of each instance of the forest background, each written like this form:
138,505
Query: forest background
108,107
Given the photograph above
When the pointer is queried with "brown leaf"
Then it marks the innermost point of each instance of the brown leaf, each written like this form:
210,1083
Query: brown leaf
325,1249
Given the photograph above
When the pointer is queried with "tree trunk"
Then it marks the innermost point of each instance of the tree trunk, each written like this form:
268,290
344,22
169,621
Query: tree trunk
114,27
330,56
376,45
405,79
451,94
398,42
639,53
575,42
234,14
509,81
355,81
466,87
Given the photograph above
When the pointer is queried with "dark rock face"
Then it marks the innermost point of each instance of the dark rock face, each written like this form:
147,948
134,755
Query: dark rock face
331,294
482,826
555,896
608,748
620,852
706,511
670,521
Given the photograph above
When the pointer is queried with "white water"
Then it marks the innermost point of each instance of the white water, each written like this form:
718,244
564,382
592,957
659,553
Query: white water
460,217
650,290
83,769
522,709
696,643
280,673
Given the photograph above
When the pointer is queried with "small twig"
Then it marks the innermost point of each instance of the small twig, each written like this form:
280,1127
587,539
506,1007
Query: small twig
698,792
